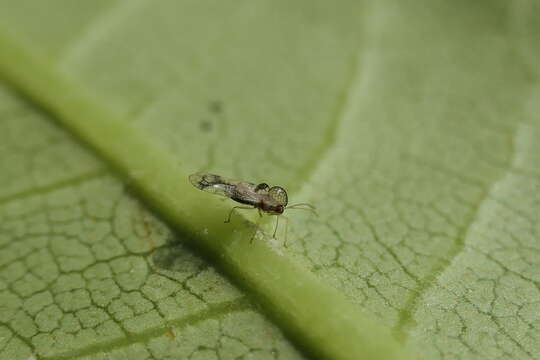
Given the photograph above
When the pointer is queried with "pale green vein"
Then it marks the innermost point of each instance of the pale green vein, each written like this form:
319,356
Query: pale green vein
344,109
39,190
98,28
318,317
216,311
347,107
406,322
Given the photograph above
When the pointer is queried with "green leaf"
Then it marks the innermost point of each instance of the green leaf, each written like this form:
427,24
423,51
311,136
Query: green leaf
411,126
86,270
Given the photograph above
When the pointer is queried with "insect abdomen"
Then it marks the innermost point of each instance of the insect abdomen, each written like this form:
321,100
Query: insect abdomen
244,201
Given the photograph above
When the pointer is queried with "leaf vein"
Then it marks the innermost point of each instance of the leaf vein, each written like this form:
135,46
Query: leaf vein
216,311
53,186
405,323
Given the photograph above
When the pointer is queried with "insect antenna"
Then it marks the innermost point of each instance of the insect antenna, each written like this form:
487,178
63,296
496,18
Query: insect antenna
307,207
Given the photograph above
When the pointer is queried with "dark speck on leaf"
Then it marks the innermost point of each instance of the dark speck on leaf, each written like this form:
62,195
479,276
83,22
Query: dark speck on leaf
206,126
215,107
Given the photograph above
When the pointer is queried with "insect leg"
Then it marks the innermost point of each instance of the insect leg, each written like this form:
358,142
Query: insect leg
234,208
255,231
286,229
275,229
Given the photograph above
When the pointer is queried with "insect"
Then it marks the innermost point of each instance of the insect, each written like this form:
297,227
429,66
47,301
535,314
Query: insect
270,200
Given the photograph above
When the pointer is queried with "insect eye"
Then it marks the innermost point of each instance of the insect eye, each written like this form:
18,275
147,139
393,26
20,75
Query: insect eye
279,195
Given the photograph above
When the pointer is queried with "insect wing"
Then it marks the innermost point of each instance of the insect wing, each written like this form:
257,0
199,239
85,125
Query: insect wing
246,193
214,184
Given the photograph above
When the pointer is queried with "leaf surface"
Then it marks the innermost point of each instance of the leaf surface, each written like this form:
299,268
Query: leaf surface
411,127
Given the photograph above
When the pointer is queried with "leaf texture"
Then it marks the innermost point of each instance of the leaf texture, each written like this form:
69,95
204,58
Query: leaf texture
412,127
